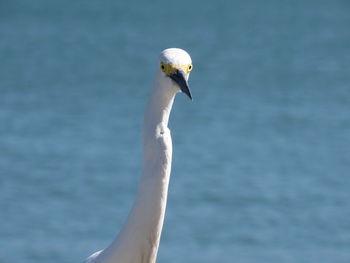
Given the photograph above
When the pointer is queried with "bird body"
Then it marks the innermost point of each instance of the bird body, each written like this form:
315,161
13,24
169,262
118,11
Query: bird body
138,240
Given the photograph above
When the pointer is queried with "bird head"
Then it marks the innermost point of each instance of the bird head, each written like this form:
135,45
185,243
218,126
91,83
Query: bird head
174,69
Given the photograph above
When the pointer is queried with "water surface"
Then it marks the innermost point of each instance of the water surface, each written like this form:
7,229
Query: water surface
261,156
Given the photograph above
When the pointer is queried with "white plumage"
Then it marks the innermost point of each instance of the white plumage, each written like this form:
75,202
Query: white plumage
138,240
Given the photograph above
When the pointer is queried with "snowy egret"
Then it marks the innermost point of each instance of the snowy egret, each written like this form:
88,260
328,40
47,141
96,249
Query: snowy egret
138,240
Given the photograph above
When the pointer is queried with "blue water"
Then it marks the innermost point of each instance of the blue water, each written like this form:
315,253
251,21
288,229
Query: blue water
261,169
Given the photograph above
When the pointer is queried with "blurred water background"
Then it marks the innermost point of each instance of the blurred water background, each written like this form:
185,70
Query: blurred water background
261,169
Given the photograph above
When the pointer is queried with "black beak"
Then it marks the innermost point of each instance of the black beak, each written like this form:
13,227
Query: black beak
179,77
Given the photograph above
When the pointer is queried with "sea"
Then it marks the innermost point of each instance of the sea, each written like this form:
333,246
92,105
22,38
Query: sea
261,161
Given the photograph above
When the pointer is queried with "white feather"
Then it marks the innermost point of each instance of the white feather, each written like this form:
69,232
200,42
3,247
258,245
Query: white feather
138,241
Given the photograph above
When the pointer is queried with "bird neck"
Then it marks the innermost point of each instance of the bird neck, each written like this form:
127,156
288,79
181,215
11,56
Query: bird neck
159,108
138,241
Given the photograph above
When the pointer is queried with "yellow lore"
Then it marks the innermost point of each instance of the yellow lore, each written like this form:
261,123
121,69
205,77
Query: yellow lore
169,69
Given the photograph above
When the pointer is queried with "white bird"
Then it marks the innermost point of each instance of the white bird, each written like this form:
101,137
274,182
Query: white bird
138,240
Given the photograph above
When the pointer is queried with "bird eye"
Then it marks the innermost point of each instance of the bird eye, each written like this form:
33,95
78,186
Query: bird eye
162,67
189,67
